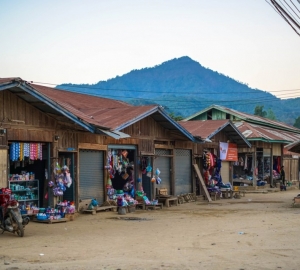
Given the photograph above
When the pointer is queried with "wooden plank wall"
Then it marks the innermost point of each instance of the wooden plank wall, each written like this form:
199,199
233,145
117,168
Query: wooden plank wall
22,121
147,127
3,168
291,167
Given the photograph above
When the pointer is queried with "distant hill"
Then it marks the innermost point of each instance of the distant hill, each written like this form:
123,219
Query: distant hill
183,87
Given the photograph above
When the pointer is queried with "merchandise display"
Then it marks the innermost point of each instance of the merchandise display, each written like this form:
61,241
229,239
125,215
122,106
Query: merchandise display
212,174
25,191
63,180
19,151
243,170
121,178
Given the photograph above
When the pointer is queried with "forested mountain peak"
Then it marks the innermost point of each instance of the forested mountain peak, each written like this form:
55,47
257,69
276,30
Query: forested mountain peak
183,86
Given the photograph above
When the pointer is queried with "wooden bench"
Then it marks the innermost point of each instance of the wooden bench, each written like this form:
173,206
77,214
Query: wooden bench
163,197
100,208
171,201
154,206
233,194
140,205
215,196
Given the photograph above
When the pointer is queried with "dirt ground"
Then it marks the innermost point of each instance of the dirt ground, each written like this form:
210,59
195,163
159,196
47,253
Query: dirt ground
258,231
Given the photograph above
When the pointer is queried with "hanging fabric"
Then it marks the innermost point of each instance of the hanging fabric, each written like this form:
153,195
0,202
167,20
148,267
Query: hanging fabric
21,157
26,150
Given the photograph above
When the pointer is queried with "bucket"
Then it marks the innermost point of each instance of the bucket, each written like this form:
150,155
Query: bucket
131,208
121,210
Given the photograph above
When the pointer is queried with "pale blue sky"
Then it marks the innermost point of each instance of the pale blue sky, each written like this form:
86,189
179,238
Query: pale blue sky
62,41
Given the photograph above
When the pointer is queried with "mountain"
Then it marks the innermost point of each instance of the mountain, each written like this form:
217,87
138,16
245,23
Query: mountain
183,86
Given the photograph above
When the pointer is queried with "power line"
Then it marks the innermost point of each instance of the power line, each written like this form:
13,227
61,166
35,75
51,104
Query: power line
291,8
153,91
285,14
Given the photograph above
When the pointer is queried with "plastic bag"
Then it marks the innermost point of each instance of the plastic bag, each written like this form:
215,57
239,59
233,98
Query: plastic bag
158,180
94,202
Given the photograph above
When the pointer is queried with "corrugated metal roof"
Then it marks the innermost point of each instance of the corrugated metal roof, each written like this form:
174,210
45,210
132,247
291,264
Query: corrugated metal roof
90,111
248,118
292,147
202,128
8,80
102,112
206,129
254,132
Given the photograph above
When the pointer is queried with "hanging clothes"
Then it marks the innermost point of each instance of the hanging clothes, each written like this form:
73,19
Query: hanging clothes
246,162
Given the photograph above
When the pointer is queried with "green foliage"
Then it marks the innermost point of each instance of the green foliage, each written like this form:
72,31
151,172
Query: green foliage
297,122
259,111
174,117
271,115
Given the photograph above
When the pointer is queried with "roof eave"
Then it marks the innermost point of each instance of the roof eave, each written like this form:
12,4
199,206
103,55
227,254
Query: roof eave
269,140
236,130
178,126
28,89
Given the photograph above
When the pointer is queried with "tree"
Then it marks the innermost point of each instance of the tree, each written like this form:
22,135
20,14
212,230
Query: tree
259,111
176,118
271,114
297,122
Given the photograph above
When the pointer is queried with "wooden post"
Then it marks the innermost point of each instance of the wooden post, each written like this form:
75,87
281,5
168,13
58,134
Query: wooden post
271,166
254,167
196,168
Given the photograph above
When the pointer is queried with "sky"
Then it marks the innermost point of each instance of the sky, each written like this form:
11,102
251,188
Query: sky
75,41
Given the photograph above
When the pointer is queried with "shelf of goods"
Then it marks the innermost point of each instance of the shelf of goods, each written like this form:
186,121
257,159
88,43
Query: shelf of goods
26,191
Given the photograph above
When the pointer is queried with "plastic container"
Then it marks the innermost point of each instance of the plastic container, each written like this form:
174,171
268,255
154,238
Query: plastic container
41,217
131,208
121,210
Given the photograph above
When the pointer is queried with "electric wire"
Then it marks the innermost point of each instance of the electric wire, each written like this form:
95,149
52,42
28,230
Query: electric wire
292,9
294,5
174,104
91,87
287,10
285,15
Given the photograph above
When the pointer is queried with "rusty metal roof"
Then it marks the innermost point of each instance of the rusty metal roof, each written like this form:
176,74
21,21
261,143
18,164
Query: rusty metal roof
248,118
292,148
91,112
206,129
7,80
256,132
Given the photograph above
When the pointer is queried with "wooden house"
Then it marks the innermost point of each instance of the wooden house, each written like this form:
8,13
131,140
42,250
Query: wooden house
213,134
82,132
268,139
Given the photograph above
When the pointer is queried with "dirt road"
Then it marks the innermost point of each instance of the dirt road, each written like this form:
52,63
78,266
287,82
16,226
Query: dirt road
259,231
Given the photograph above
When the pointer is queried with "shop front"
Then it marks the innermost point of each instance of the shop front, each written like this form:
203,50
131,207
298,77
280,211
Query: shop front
258,166
183,171
91,169
28,173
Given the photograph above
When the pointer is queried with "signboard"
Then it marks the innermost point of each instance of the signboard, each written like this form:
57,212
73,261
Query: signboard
228,151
